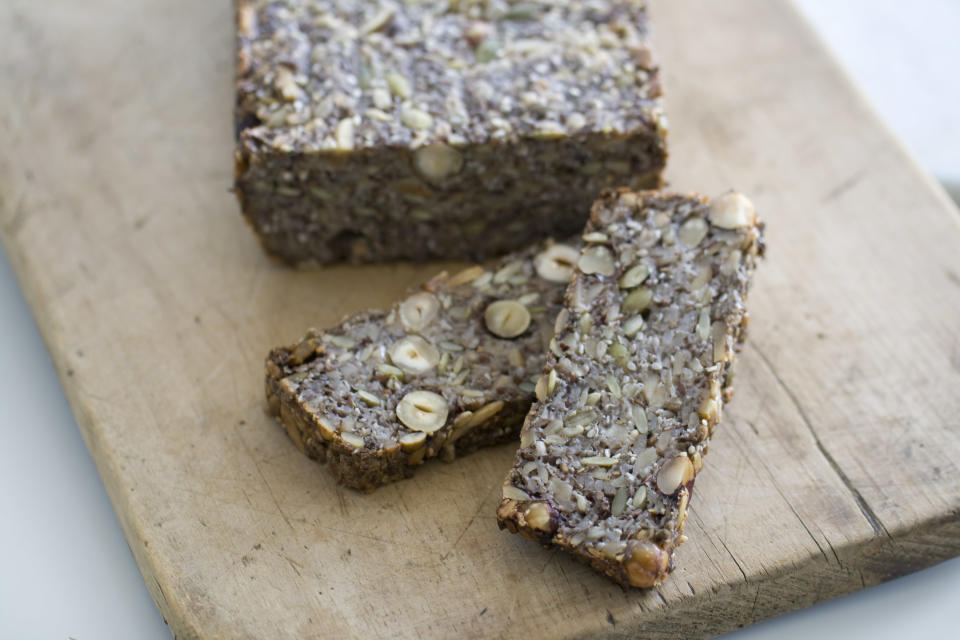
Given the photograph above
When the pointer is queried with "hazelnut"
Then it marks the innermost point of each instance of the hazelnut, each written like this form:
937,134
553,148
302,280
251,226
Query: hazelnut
537,515
647,564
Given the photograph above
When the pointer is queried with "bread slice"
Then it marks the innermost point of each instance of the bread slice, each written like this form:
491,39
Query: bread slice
448,370
635,380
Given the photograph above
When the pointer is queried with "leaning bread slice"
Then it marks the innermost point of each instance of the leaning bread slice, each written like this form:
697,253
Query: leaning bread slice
635,380
448,370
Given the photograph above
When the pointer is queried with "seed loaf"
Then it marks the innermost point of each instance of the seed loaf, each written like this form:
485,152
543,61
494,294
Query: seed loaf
371,131
448,370
635,380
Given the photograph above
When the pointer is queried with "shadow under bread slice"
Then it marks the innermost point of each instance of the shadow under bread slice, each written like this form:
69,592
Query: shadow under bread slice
446,371
635,380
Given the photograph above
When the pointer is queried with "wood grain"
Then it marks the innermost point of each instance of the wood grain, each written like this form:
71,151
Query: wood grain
834,469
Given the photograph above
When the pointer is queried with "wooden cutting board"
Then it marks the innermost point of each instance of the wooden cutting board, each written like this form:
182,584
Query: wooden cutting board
835,468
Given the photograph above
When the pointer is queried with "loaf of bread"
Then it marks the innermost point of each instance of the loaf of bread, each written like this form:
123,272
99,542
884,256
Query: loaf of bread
371,131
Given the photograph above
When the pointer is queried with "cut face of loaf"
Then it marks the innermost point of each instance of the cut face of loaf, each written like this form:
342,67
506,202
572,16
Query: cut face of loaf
448,370
635,380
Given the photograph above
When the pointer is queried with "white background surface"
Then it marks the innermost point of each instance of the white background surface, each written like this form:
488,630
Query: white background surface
66,571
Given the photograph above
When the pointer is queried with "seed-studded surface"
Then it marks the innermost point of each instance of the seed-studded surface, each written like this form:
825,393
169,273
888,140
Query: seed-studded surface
635,380
447,116
449,369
